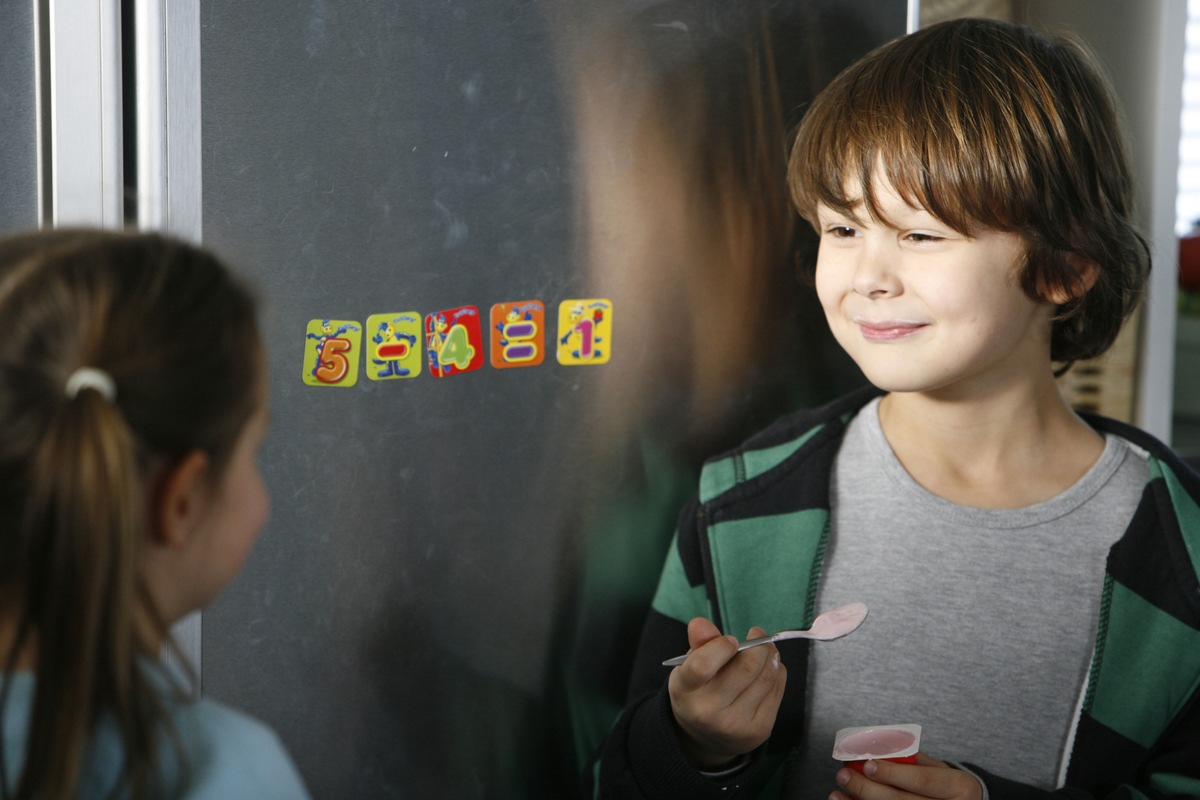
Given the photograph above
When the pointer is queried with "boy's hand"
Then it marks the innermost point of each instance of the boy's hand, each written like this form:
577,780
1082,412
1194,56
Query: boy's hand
927,778
724,701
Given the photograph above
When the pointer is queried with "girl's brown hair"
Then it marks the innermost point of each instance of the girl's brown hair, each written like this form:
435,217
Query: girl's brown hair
179,337
988,125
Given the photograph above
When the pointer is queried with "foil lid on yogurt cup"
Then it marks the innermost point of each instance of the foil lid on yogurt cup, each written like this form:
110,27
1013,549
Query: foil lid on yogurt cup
876,741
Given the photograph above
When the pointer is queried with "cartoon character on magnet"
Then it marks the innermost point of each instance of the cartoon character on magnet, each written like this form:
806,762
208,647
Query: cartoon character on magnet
453,341
584,332
517,334
395,351
332,357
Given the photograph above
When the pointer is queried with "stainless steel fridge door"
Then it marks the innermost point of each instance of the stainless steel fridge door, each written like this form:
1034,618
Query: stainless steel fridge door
401,620
18,108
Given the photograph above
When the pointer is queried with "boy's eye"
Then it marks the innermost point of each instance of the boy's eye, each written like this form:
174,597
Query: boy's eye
840,231
924,237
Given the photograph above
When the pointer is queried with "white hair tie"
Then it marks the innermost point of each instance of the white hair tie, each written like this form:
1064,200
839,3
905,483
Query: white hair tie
91,378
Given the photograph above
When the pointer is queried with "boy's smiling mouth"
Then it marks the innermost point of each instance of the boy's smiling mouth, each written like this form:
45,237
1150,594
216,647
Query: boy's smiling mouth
887,330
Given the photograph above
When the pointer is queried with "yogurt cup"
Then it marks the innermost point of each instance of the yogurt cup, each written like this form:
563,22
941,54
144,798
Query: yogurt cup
856,746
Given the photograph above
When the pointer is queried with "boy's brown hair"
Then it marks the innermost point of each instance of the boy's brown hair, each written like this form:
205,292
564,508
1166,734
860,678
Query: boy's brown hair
989,126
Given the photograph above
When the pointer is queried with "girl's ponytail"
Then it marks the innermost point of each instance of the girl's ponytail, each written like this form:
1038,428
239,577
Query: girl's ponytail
85,517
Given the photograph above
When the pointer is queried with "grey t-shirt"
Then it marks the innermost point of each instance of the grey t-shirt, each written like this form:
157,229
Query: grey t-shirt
982,621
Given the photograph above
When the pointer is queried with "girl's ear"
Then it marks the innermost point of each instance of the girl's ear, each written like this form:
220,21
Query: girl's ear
179,500
1087,272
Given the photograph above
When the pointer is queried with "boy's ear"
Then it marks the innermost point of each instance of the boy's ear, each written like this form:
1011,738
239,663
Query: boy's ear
1087,272
178,500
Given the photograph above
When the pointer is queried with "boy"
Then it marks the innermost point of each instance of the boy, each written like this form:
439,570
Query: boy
1032,574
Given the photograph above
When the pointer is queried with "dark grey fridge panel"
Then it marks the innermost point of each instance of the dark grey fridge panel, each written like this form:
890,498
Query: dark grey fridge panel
18,110
407,620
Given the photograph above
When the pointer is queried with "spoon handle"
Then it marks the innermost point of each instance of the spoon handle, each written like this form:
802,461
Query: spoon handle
755,642
746,645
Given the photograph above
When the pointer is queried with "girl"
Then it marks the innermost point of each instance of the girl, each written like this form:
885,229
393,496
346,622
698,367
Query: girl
132,399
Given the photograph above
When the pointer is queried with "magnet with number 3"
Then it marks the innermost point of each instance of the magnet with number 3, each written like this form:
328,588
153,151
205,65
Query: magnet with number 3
453,341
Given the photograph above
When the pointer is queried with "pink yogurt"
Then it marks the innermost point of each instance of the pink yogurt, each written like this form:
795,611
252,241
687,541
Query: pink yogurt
876,741
856,746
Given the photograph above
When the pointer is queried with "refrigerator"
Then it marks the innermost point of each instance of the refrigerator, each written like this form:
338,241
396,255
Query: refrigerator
19,208
522,266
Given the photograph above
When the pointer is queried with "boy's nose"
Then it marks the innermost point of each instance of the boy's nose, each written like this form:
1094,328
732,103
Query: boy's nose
873,274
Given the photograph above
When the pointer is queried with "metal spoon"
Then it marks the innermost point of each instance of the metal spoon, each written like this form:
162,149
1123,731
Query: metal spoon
833,624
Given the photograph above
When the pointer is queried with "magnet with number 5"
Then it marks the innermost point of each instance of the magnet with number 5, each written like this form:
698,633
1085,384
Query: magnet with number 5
331,352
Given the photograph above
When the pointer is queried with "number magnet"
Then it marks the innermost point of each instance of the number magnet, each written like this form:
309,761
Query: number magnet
395,346
517,334
584,332
453,341
331,352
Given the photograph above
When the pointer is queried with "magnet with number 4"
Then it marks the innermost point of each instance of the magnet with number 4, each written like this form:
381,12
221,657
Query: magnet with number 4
453,341
331,352
584,332
517,333
395,349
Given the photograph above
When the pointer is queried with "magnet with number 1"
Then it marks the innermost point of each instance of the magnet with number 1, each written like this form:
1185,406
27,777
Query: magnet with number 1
585,330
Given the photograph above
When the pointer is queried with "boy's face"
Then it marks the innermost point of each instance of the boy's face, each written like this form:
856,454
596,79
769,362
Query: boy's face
921,307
